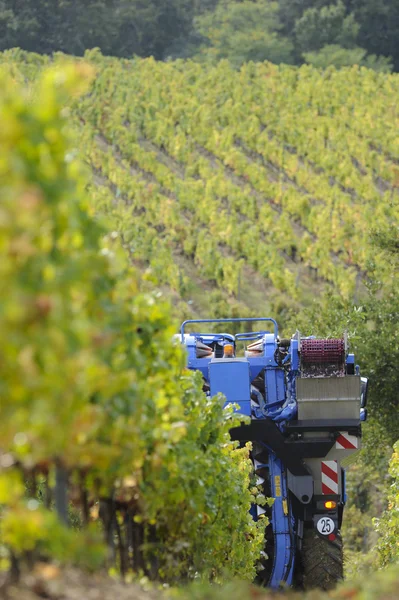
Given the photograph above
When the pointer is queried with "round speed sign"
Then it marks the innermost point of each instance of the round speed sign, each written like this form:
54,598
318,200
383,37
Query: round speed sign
325,526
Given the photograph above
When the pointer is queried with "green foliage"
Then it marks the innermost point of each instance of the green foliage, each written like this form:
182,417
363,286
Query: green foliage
342,57
329,25
373,329
45,27
26,526
367,487
371,25
47,304
380,585
379,27
244,31
213,528
323,33
94,382
212,183
373,336
388,525
118,27
257,30
239,183
379,63
291,11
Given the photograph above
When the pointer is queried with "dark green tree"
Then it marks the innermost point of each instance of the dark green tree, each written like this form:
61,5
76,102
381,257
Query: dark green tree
240,30
379,26
244,31
292,10
149,27
117,27
333,54
377,20
328,25
69,26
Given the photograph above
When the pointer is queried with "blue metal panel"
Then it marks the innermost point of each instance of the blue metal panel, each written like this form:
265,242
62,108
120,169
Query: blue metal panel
284,548
294,355
350,359
280,385
200,364
256,364
230,376
345,495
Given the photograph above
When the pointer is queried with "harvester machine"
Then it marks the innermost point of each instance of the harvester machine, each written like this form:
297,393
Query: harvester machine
305,401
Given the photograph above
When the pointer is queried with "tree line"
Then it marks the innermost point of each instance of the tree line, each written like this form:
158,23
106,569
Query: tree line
320,32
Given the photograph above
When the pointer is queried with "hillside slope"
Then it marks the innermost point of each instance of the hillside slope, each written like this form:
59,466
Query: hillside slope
262,183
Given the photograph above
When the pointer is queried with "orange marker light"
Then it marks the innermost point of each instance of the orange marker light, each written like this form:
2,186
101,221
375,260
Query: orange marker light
228,350
330,504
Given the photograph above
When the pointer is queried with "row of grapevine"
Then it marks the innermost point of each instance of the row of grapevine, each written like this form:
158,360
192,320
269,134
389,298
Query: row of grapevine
153,249
97,407
388,525
222,117
335,218
261,210
265,167
275,233
207,190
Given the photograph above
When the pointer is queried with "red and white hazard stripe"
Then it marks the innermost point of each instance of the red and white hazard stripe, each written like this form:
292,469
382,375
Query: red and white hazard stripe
346,442
329,477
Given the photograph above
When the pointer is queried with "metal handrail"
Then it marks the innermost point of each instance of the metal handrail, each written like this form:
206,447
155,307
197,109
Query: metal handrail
235,320
250,336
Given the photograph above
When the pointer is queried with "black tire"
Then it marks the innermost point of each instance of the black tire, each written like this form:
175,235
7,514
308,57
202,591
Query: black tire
321,561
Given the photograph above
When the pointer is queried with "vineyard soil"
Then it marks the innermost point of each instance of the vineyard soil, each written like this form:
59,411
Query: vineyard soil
51,583
48,581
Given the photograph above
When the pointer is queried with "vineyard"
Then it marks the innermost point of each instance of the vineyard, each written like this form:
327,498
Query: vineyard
262,184
126,182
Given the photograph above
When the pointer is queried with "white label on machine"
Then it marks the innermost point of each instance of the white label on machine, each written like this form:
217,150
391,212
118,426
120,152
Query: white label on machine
325,526
260,510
